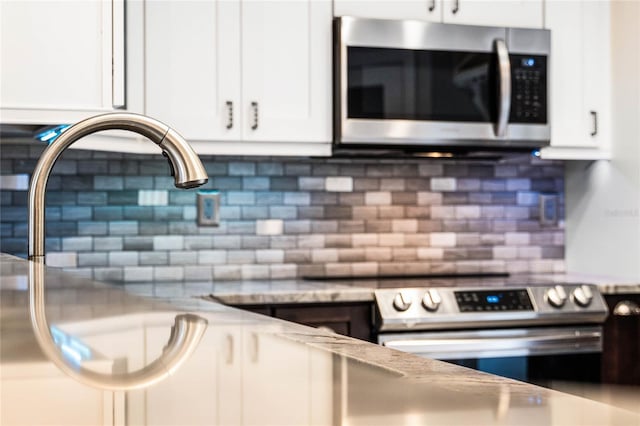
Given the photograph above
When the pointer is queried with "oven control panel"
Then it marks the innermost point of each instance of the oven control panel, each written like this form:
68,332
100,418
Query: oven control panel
430,308
489,301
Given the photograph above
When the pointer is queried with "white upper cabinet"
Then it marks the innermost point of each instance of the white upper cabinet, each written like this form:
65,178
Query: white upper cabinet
192,71
286,70
504,13
61,61
580,79
426,10
232,74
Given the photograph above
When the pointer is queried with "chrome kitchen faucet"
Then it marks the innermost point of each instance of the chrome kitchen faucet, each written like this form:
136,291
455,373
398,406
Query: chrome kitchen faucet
185,164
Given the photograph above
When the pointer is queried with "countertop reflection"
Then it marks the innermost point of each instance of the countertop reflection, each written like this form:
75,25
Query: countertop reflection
246,369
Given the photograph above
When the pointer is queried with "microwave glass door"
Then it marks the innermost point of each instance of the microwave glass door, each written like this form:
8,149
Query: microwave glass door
423,85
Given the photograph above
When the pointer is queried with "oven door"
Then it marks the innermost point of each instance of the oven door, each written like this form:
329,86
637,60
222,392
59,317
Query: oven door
536,355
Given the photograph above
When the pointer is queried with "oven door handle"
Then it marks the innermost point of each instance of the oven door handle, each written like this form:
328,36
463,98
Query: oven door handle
480,345
504,88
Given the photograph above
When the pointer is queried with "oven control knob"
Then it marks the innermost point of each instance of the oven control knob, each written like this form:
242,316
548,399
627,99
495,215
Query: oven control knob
556,296
401,302
582,296
431,300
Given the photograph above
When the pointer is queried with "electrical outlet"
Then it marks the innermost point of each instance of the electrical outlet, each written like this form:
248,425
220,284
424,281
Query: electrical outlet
548,209
209,208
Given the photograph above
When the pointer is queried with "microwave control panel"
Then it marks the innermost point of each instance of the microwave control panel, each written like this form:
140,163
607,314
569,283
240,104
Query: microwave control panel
529,89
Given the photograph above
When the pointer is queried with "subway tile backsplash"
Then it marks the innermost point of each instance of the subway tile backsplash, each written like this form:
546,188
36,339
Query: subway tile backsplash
118,217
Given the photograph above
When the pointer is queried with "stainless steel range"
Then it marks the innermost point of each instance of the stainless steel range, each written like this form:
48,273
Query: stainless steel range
532,333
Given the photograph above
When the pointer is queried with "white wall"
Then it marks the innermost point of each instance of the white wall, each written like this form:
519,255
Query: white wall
603,197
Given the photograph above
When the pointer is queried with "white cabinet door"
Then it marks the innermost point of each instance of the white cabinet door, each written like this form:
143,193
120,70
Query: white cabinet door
426,10
286,70
580,79
192,68
57,59
500,13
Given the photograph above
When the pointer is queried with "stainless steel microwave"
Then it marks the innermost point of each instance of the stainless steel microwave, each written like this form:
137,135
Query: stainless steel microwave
433,86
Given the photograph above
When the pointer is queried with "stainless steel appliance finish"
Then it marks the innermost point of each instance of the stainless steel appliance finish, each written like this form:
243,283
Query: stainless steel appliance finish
400,98
185,164
491,322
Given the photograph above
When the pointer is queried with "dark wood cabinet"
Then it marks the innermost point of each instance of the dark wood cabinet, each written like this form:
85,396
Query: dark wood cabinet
349,319
621,347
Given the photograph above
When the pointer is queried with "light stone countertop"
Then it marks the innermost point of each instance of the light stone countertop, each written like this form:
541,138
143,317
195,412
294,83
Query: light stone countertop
262,292
245,369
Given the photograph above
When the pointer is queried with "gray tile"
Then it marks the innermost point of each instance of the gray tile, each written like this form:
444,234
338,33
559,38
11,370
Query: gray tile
198,273
93,167
92,198
61,229
269,198
185,228
431,170
112,274
324,198
311,183
227,272
138,182
65,167
123,258
284,183
493,185
57,198
123,228
241,257
77,244
183,257
351,226
112,183
324,226
212,257
230,213
92,228
378,226
153,228
138,273
337,241
284,212
108,243
241,227
255,212
137,213
242,169
128,197
182,198
165,213
283,241
391,212
255,183
153,258
338,212
76,183
297,256
108,213
138,243
310,212
198,242
227,183
270,169
320,169
297,227
168,273
255,242
366,184
227,242
297,169
297,198
241,198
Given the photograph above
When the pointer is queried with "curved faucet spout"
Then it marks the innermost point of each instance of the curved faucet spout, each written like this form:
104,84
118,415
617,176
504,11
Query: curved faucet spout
186,167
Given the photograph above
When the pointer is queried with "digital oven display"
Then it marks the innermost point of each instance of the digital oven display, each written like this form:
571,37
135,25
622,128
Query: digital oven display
503,300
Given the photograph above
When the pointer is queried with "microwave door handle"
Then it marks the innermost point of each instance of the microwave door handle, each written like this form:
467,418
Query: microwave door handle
504,93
